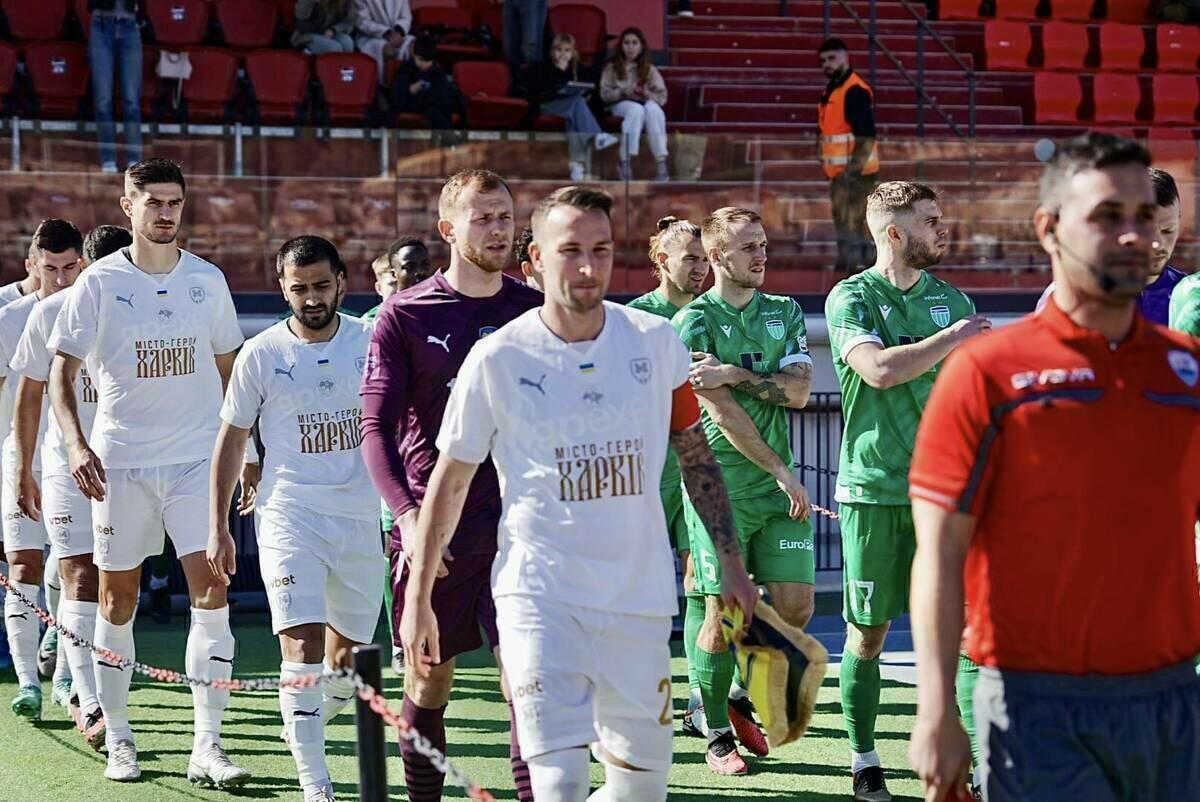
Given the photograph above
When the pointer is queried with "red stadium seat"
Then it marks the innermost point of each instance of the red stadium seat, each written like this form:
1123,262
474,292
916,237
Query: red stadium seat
1177,145
1016,9
454,24
8,69
178,22
958,9
350,82
59,72
485,86
1007,44
35,19
279,79
1064,45
1121,46
1178,47
1175,99
151,83
287,13
247,24
1077,10
209,91
1117,98
1056,97
85,16
1134,11
587,23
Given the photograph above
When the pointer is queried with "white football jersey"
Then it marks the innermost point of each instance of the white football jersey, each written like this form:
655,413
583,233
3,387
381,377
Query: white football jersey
13,318
578,433
10,293
305,397
151,339
32,360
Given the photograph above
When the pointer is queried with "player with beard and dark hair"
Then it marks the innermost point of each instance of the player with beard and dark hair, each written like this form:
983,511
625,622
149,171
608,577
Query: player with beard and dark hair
319,550
890,327
420,340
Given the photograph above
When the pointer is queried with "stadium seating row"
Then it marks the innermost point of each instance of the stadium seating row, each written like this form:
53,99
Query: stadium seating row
1121,47
1117,98
1079,10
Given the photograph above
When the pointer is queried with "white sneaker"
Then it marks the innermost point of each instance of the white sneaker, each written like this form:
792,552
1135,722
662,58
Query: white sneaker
122,762
322,792
603,141
212,768
686,13
576,171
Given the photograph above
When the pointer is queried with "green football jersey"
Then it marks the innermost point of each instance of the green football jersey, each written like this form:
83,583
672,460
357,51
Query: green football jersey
654,303
765,337
881,425
1185,305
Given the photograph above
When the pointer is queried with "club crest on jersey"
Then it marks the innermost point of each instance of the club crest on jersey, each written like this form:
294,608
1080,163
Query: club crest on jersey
641,369
1185,367
486,330
360,364
775,328
326,387
940,315
196,294
166,315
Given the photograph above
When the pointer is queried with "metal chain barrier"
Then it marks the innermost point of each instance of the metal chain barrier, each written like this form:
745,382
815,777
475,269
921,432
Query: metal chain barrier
378,703
827,513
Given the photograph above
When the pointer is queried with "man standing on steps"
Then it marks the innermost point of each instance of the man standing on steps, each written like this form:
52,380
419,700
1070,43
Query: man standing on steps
848,151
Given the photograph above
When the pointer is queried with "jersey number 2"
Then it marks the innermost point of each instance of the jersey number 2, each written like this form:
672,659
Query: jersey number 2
667,715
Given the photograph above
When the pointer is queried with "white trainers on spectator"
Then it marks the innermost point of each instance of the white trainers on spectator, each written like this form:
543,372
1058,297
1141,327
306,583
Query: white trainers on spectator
606,141
576,171
211,768
321,792
122,762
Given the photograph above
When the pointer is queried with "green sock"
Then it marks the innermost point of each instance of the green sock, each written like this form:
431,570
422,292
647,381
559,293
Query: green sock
964,686
859,680
693,619
715,672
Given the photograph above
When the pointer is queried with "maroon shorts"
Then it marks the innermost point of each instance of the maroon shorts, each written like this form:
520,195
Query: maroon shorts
462,602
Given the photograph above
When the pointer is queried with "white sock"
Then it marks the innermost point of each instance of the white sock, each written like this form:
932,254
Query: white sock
737,692
209,655
302,718
560,776
24,632
3,597
62,666
863,760
338,692
627,785
80,618
52,584
112,683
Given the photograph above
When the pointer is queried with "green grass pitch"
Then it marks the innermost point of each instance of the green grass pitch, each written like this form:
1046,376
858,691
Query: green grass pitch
50,761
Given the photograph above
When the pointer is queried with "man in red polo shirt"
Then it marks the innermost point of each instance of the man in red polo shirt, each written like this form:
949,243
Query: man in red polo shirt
1057,472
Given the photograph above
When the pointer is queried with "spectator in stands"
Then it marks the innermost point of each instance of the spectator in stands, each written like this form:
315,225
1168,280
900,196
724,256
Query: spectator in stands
421,86
848,153
325,26
636,92
115,43
384,30
555,88
524,32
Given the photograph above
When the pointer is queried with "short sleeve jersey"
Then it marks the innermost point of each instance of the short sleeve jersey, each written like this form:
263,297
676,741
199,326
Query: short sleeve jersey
152,340
578,433
13,318
305,397
1185,305
654,303
10,293
32,360
881,425
764,337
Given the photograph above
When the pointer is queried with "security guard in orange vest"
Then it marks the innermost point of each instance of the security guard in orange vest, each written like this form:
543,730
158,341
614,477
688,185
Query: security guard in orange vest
848,153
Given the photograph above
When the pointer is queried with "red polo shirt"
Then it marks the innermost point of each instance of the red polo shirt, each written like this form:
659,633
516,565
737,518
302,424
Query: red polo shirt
1080,463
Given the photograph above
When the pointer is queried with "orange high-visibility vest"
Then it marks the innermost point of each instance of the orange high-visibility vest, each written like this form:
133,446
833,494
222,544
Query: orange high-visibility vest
837,138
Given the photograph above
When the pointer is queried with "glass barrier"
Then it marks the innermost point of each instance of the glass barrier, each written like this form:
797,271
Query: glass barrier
251,189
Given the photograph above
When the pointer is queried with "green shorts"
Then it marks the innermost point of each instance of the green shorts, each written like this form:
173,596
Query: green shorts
878,543
386,521
775,547
672,500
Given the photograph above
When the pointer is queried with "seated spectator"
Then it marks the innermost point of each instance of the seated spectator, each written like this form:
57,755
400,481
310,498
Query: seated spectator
421,86
384,30
554,88
634,90
324,26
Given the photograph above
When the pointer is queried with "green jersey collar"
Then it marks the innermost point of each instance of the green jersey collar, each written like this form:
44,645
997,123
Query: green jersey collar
890,290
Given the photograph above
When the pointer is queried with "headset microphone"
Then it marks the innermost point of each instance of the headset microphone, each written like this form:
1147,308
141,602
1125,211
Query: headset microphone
1103,277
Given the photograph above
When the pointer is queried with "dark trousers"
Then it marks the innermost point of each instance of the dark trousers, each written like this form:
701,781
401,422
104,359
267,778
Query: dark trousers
437,102
848,197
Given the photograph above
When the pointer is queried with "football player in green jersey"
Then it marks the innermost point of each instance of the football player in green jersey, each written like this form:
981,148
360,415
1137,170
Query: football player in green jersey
681,266
890,327
751,365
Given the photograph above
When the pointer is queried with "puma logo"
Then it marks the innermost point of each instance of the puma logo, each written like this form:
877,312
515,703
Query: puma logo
309,713
107,664
531,383
22,616
444,342
288,372
127,301
229,661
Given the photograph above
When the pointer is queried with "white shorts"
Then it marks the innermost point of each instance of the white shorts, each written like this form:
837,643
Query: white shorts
68,516
21,533
579,676
139,503
321,569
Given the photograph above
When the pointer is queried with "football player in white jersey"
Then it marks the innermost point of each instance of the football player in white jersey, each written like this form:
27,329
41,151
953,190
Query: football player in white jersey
576,402
319,550
159,327
55,258
16,289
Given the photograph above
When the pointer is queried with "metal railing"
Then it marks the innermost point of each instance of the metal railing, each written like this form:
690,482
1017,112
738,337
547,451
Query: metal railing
816,437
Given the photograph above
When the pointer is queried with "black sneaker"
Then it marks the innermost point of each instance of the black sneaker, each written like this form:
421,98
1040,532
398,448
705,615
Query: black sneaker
869,785
160,606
